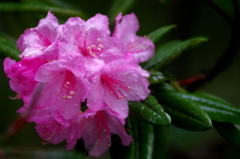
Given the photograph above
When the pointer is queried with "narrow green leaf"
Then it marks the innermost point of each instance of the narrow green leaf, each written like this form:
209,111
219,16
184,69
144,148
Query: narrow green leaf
64,12
145,140
149,111
119,6
160,142
162,87
158,34
231,132
168,52
184,113
134,127
218,109
8,49
62,4
157,77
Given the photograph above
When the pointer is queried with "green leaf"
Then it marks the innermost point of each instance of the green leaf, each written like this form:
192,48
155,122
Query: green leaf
62,4
218,109
145,140
149,111
160,142
64,12
158,34
184,113
162,87
119,6
231,132
134,127
157,77
8,49
168,52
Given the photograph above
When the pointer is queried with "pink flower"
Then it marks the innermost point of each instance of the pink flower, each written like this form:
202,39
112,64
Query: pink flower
65,65
115,84
96,128
41,40
93,38
141,47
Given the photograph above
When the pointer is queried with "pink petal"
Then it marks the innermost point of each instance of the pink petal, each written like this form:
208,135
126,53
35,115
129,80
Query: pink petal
50,130
63,91
99,22
73,31
127,28
116,127
142,48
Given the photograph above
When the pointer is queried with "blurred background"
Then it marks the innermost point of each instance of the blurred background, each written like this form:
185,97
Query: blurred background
193,18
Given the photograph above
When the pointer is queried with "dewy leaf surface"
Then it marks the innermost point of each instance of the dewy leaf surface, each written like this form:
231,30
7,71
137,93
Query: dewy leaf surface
163,87
149,111
157,77
168,52
218,109
145,140
184,114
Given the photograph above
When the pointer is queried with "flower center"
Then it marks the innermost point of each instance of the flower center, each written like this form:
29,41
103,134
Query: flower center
116,87
101,123
93,50
67,89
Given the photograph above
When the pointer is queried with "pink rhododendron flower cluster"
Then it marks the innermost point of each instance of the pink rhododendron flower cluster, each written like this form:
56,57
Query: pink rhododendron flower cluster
80,62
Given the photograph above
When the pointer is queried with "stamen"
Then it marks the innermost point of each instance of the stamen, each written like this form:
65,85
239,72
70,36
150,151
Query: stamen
101,124
68,87
116,87
52,129
138,46
94,49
